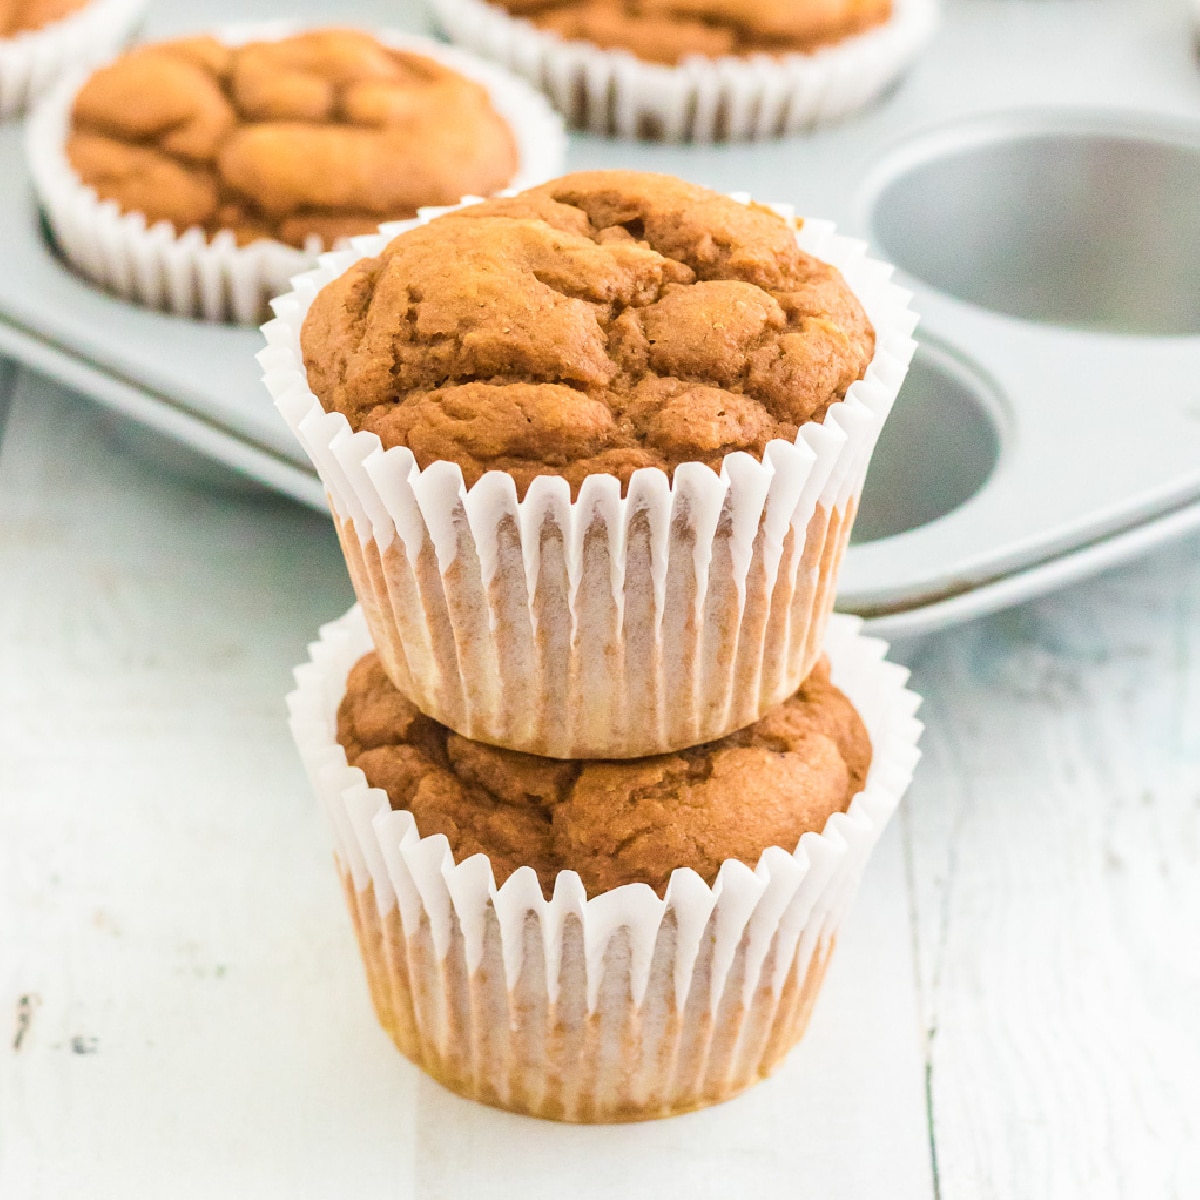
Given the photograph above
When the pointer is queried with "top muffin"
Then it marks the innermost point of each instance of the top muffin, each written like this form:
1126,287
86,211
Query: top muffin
22,16
323,134
599,323
668,31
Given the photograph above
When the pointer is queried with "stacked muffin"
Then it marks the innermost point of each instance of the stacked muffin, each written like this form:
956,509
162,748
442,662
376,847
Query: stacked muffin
600,799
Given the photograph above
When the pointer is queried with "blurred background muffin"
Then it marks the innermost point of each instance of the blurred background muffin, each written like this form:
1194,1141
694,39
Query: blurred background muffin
702,70
257,154
43,40
669,31
319,136
22,16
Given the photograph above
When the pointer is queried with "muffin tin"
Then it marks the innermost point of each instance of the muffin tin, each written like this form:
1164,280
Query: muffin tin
1045,214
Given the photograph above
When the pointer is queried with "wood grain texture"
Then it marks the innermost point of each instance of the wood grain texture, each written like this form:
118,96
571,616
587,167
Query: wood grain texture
181,1003
182,1006
1053,836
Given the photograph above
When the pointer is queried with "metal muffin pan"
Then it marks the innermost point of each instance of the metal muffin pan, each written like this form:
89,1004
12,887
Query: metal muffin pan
1035,178
1091,339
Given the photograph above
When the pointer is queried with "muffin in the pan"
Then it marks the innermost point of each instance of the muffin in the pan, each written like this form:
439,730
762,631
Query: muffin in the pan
625,422
43,40
601,941
24,16
668,31
321,135
698,69
297,141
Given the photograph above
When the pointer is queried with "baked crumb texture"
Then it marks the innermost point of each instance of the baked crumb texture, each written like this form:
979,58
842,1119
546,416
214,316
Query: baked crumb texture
599,323
613,822
324,134
600,1005
668,31
24,16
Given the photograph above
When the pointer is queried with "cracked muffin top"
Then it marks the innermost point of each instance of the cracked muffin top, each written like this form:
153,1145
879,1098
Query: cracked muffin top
324,134
23,16
668,31
614,822
599,323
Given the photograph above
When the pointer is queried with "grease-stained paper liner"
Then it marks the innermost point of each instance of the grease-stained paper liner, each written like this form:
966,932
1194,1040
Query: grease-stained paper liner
31,62
621,1007
611,627
701,99
191,275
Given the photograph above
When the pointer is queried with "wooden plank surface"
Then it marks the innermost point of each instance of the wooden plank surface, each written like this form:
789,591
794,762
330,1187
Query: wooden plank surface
195,1019
1054,845
183,1006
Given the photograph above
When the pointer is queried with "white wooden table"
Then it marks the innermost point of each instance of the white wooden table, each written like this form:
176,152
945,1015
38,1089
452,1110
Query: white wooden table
1015,1011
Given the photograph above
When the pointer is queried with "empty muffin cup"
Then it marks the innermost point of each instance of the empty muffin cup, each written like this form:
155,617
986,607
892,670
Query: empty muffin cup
1109,233
33,60
622,1006
623,622
191,274
760,95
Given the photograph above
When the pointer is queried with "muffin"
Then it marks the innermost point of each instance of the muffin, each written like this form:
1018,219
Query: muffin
611,821
258,153
697,69
669,31
594,452
601,941
43,40
320,136
24,16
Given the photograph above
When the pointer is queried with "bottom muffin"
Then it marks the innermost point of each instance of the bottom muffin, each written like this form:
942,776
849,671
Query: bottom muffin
663,973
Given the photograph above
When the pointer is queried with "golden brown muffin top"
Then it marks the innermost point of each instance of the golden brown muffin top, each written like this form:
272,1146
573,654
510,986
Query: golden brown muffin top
614,822
599,323
24,16
326,133
668,31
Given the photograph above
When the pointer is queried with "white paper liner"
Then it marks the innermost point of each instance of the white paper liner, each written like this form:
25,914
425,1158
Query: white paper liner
32,62
702,99
611,627
188,274
618,1007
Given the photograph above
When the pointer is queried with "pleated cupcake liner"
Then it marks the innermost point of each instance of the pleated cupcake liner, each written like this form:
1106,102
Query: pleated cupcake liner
701,99
611,626
33,61
187,273
618,1007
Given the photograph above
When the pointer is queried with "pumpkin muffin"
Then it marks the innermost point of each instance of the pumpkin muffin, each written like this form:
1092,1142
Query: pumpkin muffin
698,70
43,41
524,939
321,135
22,16
601,323
668,31
612,432
615,822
